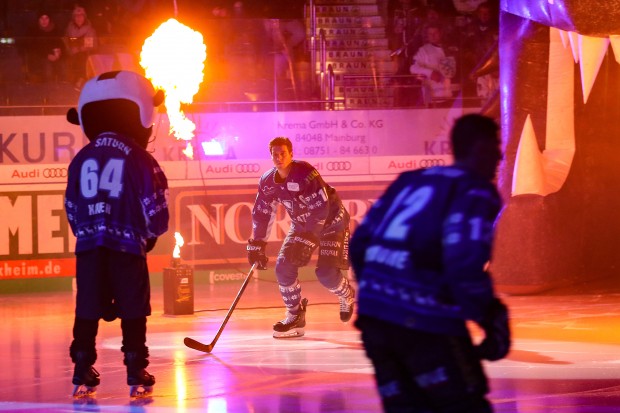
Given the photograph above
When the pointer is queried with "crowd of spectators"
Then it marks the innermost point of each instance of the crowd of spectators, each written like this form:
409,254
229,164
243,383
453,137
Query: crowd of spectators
54,39
441,41
444,42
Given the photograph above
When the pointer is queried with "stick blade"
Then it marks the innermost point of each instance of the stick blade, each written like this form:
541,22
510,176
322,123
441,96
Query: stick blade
197,345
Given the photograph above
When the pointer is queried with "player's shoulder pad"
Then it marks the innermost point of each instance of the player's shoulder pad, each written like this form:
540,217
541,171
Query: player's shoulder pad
269,173
303,171
302,166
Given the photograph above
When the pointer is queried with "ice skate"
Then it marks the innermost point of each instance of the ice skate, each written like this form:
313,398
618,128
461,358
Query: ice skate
85,379
293,325
347,306
140,384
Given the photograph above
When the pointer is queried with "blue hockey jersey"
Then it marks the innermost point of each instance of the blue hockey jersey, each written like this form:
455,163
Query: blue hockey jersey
420,253
312,204
117,196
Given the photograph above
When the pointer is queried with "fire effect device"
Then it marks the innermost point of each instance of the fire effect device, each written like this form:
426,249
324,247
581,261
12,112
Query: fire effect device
178,283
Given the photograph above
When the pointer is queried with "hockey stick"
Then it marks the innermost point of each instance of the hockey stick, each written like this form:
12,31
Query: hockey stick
197,345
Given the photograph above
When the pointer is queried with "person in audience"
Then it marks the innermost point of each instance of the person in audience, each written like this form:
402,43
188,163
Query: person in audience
44,50
437,67
432,16
482,35
80,41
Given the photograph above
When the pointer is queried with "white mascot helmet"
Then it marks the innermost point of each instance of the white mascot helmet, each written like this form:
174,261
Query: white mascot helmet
121,84
119,101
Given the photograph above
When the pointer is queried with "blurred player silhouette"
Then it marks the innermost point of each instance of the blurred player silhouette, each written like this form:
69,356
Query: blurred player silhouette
419,257
318,219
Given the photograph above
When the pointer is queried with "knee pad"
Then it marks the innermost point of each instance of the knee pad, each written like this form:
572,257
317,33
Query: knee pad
329,277
286,273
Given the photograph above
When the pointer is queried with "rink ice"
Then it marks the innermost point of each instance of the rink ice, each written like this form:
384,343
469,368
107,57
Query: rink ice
565,358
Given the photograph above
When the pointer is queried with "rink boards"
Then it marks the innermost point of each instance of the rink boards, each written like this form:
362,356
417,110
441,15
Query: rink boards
211,195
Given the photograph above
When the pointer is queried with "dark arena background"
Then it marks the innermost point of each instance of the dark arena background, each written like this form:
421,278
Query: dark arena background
337,78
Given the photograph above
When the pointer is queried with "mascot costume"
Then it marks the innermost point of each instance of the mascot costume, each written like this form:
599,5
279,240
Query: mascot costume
117,205
560,106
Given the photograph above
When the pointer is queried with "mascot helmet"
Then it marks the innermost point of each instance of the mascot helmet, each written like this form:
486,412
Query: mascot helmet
121,101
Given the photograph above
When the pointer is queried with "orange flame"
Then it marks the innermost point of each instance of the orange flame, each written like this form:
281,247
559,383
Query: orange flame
178,243
173,59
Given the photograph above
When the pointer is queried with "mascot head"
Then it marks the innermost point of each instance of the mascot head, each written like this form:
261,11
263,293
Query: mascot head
123,102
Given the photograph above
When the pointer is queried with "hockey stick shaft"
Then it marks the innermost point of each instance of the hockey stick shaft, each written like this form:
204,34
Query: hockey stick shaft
196,345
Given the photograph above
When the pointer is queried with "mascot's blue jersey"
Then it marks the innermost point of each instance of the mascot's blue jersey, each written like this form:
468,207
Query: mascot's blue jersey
310,202
105,178
419,254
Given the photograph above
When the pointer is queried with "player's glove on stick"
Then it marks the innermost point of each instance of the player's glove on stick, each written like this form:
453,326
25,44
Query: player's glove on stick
496,343
256,253
301,249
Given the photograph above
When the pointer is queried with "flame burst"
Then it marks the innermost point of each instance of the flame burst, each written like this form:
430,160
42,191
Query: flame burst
178,243
173,59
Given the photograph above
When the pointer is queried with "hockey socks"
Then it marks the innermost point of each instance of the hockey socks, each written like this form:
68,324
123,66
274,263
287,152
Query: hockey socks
346,298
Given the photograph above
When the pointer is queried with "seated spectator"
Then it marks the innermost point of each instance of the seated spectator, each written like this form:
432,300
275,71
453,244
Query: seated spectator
433,16
44,50
437,67
80,41
482,35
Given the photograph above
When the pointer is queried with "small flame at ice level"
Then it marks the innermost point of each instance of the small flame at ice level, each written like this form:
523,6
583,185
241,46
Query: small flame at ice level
176,252
173,59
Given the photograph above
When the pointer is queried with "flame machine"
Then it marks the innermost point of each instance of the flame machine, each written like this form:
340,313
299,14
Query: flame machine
178,284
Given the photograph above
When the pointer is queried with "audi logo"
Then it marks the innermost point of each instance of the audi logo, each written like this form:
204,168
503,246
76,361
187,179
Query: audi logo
424,163
338,166
246,168
55,172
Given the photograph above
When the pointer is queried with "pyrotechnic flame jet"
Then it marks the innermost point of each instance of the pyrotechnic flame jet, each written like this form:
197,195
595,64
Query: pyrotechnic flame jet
173,59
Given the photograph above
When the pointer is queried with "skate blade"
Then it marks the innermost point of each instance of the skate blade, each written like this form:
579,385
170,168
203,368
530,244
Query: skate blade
140,391
83,391
295,332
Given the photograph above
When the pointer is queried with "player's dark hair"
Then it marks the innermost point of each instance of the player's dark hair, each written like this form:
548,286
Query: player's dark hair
279,141
469,129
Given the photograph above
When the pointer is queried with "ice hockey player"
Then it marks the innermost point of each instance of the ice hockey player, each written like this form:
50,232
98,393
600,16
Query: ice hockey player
419,257
117,205
318,219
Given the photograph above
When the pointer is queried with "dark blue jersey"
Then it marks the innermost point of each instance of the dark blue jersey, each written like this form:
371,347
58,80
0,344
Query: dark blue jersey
420,253
117,196
312,204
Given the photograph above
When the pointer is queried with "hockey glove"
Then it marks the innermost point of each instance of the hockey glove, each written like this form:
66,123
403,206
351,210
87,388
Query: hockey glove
496,343
150,244
256,253
301,249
